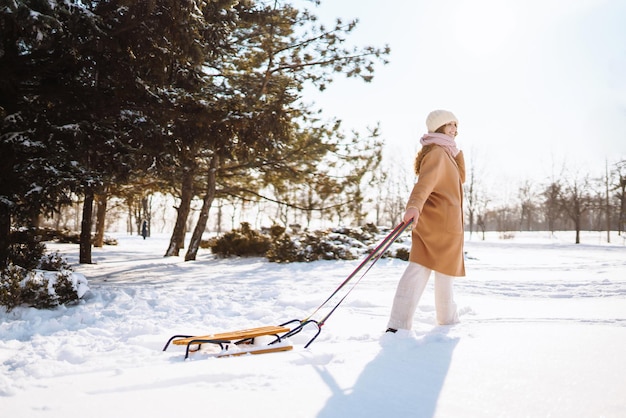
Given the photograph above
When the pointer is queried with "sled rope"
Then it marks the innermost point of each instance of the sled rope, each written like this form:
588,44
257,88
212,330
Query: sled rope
372,258
379,252
375,255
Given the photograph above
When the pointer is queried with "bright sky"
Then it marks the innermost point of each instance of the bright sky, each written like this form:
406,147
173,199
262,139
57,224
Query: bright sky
536,84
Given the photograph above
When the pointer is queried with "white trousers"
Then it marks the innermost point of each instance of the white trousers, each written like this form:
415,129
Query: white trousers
409,291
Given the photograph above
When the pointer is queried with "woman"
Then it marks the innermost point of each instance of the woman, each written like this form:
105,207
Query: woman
436,208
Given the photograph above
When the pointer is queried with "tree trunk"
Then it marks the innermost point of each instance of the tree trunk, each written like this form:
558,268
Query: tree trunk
607,203
5,231
178,234
203,218
577,223
85,228
219,217
138,216
35,221
101,211
621,187
146,207
129,223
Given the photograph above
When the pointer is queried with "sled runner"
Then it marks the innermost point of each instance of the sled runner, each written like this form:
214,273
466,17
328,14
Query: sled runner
239,338
281,333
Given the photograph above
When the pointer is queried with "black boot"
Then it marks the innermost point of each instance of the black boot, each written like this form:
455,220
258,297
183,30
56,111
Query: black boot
392,330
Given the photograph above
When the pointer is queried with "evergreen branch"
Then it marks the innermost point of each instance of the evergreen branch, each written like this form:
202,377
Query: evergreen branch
299,66
321,36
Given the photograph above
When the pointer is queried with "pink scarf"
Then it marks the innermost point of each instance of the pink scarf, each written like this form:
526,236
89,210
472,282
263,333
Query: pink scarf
442,140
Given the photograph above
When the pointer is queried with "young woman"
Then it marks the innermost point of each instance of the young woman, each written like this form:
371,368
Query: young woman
436,208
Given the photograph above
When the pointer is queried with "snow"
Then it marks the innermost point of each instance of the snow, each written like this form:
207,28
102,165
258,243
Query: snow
542,333
78,281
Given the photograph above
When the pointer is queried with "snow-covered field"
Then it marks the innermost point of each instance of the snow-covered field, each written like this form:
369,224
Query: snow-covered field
542,334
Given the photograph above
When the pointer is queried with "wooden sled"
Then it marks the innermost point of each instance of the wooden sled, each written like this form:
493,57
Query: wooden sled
244,338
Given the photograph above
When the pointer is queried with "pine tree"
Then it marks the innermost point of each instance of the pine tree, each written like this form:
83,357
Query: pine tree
97,84
278,49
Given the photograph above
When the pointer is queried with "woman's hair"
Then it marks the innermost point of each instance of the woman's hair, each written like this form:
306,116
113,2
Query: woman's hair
420,156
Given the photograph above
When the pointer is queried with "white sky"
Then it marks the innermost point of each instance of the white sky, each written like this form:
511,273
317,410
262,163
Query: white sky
536,84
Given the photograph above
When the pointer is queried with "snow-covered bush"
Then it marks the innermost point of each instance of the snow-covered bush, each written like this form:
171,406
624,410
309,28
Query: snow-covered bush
279,246
35,292
53,262
41,289
366,234
284,250
335,244
10,286
25,249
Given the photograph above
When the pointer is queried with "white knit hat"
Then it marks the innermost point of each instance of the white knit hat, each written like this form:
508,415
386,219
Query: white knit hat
437,118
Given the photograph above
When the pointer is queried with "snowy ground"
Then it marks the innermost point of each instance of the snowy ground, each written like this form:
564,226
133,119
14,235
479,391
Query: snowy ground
543,334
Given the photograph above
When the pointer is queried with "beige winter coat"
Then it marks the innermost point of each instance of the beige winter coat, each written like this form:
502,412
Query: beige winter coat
437,242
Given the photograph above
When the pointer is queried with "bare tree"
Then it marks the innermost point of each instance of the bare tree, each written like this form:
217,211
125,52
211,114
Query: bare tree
505,221
483,215
607,202
476,198
620,194
527,197
575,198
481,222
551,204
471,198
393,192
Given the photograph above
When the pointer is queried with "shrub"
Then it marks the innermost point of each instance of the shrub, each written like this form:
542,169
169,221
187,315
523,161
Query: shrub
403,254
68,237
284,250
42,289
241,242
53,262
26,249
371,228
10,286
365,235
338,246
276,231
314,246
64,289
35,292
281,247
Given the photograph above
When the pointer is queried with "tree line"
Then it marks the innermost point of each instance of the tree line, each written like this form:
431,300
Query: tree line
563,202
115,100
568,201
